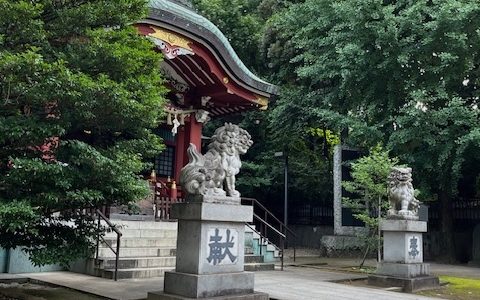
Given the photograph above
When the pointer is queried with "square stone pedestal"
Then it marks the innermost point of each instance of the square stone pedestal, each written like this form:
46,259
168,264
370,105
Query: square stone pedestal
210,254
251,296
238,286
402,263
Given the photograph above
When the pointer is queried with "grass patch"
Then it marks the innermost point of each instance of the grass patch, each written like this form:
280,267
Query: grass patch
458,288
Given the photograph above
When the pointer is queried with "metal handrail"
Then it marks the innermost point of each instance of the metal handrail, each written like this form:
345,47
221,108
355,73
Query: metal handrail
119,235
283,237
259,234
255,201
282,232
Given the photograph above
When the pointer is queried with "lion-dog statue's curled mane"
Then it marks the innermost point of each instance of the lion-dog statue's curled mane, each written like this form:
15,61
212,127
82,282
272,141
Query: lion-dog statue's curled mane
213,174
401,193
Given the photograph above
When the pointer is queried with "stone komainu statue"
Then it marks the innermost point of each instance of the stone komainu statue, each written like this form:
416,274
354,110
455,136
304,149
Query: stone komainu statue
401,193
211,177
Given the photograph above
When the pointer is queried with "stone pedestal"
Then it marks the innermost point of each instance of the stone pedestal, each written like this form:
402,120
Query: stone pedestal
210,254
402,263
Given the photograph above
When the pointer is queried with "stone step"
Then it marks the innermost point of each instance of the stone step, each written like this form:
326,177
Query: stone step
126,217
253,259
269,251
272,248
137,262
252,267
142,242
136,272
249,250
138,252
121,224
249,229
143,233
255,235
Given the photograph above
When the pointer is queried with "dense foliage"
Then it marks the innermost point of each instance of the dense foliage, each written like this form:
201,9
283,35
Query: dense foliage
80,89
309,149
79,92
404,73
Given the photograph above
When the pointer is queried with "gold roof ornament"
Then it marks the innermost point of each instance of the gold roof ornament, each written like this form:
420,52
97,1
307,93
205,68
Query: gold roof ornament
170,37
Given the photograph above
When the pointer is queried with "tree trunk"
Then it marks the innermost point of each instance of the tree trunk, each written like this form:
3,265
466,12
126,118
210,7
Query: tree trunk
365,256
447,226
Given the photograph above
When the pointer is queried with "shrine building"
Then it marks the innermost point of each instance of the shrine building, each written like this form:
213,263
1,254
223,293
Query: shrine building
205,77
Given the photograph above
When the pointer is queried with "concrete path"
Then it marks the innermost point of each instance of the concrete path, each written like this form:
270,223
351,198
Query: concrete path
310,284
294,283
127,289
346,264
455,270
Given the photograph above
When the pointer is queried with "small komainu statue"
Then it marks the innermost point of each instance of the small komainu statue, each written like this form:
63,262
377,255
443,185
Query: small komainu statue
401,193
211,177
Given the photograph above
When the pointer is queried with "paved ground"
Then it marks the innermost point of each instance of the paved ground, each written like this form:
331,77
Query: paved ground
455,270
345,264
308,284
295,283
122,289
310,277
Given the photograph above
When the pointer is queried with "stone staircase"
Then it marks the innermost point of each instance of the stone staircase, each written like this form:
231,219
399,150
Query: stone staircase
256,260
147,249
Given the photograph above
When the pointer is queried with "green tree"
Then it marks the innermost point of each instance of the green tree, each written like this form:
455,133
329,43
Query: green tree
405,73
369,189
80,91
240,22
309,151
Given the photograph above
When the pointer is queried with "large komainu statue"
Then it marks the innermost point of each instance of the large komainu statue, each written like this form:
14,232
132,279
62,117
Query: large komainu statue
403,204
211,177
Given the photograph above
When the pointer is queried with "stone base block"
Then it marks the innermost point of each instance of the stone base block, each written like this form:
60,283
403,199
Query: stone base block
474,263
403,270
164,296
218,199
197,253
403,225
211,285
402,247
212,212
408,285
341,246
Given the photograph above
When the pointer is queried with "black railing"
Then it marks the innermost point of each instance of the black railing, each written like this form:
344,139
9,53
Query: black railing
99,236
282,237
465,212
311,213
268,224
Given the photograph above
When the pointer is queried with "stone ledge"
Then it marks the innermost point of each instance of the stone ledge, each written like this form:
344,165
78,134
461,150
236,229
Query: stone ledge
341,246
211,285
403,225
164,296
408,285
403,270
474,263
212,212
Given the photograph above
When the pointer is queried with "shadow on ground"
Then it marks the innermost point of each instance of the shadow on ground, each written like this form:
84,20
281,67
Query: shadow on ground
30,291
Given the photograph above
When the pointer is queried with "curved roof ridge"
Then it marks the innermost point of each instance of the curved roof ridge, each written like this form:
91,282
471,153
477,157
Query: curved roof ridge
196,19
